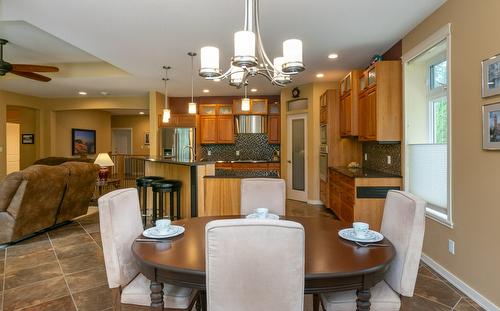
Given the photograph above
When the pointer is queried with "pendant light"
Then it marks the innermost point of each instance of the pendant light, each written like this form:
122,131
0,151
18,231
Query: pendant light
245,102
166,109
192,104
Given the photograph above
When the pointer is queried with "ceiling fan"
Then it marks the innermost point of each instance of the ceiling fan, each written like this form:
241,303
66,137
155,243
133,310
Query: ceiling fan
23,70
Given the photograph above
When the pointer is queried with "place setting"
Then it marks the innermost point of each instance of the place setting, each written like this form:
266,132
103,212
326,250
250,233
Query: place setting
362,236
262,213
163,231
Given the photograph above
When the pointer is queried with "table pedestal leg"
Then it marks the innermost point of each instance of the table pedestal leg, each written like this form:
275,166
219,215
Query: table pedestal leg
363,301
203,299
156,296
315,302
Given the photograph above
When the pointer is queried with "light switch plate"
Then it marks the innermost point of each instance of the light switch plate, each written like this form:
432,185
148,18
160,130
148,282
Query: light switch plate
389,160
209,152
451,247
237,152
366,156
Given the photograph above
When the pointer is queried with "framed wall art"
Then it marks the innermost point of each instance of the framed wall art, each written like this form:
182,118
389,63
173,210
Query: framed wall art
28,139
491,76
83,142
491,126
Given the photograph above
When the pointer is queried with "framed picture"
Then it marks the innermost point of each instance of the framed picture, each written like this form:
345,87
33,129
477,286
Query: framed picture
28,139
491,76
491,127
82,141
146,138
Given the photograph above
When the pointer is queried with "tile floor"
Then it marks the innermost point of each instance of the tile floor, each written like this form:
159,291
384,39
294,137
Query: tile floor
63,270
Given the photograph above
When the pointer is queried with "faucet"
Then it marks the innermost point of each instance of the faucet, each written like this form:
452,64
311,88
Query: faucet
191,152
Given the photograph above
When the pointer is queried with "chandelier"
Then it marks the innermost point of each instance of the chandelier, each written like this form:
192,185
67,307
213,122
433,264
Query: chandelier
246,62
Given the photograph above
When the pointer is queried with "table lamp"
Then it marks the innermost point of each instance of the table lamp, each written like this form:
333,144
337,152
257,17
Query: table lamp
105,162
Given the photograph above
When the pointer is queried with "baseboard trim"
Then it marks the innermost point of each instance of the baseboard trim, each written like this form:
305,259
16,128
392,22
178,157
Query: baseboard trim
314,202
461,285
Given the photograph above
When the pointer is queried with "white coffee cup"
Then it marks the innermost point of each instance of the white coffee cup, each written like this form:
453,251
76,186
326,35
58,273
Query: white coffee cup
163,225
360,229
262,212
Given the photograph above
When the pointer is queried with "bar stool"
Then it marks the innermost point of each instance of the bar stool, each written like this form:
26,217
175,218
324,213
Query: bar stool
160,188
142,184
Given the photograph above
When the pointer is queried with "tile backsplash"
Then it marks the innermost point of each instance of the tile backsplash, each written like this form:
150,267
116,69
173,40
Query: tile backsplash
377,157
250,146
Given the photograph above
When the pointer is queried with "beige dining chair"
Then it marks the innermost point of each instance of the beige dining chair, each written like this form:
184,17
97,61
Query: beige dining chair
403,223
254,265
263,192
120,223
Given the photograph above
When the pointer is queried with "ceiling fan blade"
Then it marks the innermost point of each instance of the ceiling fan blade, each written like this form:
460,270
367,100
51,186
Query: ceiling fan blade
34,68
31,75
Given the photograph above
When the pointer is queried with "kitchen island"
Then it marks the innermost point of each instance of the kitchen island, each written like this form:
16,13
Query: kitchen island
190,173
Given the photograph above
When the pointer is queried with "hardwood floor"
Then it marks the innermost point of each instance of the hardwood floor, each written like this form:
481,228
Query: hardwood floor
64,270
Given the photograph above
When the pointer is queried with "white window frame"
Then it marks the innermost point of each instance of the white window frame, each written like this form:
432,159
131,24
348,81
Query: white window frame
442,34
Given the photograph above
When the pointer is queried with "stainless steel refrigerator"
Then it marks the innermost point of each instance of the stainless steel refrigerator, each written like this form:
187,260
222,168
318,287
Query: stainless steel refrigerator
179,143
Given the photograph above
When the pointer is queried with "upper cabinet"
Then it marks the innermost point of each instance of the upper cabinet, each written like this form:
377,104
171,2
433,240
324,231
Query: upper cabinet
216,124
274,123
178,120
349,104
257,106
380,101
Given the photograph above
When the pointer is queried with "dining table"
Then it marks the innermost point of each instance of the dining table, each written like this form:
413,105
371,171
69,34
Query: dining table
332,264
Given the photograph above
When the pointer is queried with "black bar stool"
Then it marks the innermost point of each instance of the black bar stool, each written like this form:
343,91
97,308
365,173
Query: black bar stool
160,188
142,184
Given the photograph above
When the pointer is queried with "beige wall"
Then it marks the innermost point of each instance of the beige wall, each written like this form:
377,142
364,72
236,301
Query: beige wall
312,92
139,126
476,209
27,118
100,121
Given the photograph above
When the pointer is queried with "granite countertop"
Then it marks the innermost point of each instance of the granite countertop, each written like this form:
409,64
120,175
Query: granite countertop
363,173
176,161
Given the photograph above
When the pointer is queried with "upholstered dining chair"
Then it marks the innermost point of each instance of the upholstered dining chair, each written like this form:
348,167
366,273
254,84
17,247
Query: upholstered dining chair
120,222
403,223
254,265
263,192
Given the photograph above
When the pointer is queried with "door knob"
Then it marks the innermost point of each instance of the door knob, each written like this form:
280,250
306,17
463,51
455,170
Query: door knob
289,161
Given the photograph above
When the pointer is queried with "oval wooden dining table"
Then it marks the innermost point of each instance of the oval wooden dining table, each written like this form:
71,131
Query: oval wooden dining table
331,263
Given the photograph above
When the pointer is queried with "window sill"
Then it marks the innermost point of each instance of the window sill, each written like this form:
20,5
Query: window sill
438,217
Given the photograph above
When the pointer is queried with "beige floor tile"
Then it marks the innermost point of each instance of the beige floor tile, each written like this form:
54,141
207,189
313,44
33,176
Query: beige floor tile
95,299
31,275
66,230
34,294
71,240
86,279
60,304
82,262
436,290
69,251
29,261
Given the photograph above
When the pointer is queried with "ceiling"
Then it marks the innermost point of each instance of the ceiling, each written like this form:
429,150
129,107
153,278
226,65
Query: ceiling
120,46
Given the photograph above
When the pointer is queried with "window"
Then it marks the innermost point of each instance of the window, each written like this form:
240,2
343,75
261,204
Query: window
427,134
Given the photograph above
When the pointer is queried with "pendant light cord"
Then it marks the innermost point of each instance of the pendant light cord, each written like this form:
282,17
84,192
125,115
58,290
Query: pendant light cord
192,79
166,90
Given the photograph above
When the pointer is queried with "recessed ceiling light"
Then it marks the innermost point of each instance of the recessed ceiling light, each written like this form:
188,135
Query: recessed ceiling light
319,75
333,56
206,91
253,90
82,93
104,93
142,112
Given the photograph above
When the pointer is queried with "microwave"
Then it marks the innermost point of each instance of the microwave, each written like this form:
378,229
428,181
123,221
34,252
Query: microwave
323,133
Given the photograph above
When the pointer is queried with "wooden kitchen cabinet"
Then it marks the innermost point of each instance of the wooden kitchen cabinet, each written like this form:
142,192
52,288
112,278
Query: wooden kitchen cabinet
257,106
178,120
274,108
380,103
225,129
349,104
208,129
274,129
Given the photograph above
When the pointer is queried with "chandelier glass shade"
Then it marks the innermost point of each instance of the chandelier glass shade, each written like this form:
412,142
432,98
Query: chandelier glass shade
250,58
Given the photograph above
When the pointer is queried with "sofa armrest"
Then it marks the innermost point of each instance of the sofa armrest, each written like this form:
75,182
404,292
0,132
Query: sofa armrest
8,189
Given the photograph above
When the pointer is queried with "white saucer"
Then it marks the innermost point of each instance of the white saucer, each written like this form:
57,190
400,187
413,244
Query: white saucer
269,216
154,234
371,236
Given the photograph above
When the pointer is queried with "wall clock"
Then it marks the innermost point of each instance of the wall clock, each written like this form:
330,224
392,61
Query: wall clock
295,92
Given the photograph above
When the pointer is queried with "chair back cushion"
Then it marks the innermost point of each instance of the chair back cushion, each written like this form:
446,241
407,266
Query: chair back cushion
254,265
403,224
80,188
263,192
120,222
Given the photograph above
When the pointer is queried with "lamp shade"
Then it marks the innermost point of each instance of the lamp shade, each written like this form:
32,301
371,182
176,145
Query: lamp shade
104,160
166,115
192,108
292,51
209,58
245,104
244,43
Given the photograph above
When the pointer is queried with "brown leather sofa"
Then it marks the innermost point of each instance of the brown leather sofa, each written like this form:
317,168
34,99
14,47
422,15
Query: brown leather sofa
41,196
